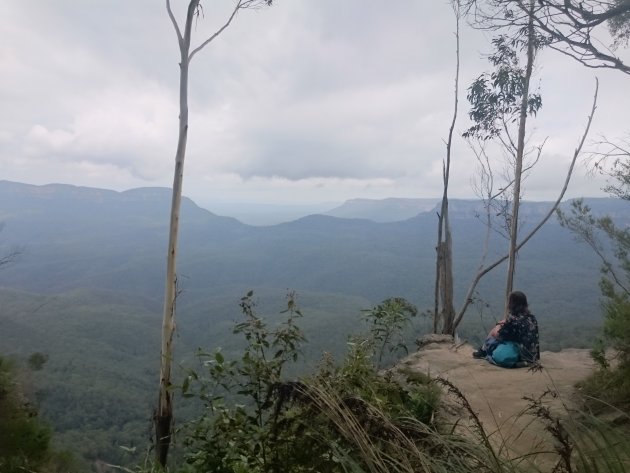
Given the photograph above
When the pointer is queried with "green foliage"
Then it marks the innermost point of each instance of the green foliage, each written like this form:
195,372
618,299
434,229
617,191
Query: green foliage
611,384
37,360
617,321
256,420
387,322
619,25
583,442
240,430
495,98
24,440
612,244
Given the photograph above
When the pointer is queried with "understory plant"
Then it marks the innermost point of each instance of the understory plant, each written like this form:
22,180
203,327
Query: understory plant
349,416
611,243
387,323
257,419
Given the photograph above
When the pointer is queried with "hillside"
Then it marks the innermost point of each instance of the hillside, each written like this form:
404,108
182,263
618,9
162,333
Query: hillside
96,240
384,210
89,238
87,290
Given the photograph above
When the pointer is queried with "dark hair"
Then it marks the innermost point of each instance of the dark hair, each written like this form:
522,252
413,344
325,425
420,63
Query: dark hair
517,303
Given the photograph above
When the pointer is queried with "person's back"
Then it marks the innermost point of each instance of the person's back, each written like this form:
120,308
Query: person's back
522,328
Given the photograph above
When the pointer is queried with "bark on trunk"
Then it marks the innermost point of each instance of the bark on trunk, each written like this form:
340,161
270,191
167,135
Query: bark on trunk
448,309
164,415
444,248
512,254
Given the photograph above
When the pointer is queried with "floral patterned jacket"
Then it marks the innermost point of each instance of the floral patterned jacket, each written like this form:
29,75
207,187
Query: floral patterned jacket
522,329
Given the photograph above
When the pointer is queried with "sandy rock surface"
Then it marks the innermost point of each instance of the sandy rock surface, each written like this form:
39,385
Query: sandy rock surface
497,394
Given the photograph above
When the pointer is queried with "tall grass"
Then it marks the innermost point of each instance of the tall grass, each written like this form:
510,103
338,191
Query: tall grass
363,437
405,445
577,440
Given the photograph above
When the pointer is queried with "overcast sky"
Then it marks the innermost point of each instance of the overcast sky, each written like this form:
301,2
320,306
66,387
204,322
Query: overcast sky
307,101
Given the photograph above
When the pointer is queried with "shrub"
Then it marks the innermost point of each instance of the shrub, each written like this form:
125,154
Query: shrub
256,420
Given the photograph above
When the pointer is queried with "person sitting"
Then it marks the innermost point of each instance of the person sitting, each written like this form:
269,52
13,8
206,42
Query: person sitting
520,328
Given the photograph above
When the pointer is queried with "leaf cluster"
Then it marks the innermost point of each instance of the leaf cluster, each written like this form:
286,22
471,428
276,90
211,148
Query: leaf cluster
568,26
242,399
619,25
495,97
24,439
256,419
612,244
387,323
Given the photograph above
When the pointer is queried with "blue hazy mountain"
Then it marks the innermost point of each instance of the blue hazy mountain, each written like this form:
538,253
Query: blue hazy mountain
83,238
383,210
87,288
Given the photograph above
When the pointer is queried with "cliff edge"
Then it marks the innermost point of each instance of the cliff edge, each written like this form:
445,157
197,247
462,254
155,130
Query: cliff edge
500,397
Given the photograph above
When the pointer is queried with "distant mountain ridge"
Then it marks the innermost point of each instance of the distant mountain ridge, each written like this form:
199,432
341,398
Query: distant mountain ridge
77,236
88,288
383,210
396,209
19,196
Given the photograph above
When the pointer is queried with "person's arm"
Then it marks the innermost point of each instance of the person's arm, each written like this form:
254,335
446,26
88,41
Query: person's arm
495,331
510,330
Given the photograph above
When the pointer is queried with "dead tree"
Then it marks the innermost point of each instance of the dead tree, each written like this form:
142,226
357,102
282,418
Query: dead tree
444,307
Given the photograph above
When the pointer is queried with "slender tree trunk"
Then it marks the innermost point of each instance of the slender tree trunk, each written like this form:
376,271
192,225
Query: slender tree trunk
448,309
439,252
165,404
518,171
164,414
444,249
481,272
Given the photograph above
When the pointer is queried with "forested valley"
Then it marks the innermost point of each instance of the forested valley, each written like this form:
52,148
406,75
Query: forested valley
143,332
88,300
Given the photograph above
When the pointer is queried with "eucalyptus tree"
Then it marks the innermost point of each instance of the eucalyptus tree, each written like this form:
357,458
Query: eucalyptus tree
575,28
484,268
500,101
163,415
580,29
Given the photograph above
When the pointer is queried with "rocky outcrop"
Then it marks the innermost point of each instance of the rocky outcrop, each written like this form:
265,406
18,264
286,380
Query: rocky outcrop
500,397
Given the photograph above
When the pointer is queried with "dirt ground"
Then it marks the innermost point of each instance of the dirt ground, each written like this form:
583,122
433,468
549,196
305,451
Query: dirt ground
497,394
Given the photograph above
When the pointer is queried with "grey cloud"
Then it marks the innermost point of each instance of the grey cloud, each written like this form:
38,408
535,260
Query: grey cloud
325,89
296,158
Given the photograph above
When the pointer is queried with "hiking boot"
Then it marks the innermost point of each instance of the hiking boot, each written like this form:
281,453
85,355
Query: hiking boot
481,353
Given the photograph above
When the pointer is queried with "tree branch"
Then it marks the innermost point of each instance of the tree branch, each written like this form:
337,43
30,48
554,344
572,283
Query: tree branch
564,25
578,150
239,5
174,21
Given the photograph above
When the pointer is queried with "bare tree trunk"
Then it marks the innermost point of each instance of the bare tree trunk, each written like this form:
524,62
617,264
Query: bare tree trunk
164,414
519,153
448,309
439,255
444,261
